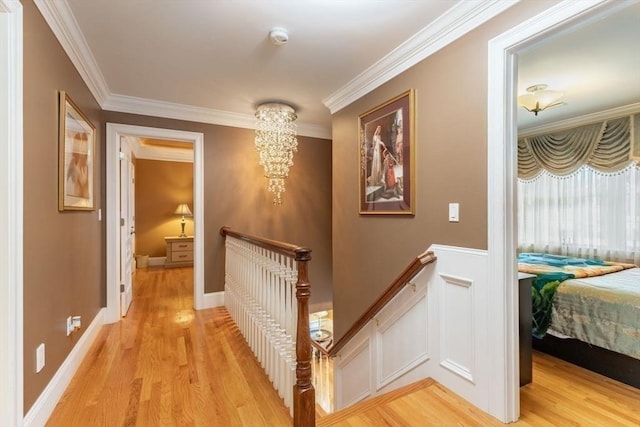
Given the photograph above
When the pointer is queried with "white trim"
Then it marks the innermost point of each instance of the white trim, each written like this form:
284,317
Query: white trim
165,154
586,119
502,216
453,24
114,133
60,19
170,110
213,299
157,261
11,201
48,399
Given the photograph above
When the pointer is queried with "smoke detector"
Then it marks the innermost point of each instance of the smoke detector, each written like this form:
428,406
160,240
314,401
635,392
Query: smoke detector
279,36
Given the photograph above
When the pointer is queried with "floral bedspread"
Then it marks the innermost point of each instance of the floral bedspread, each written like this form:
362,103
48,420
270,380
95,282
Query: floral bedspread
550,271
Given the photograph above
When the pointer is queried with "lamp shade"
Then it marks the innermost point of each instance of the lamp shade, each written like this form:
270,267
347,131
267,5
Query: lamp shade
183,209
539,98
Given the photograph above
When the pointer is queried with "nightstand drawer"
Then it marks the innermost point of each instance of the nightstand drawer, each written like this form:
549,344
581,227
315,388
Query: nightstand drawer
181,256
181,246
179,252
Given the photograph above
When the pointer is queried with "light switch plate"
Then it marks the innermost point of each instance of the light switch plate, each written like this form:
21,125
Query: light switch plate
454,212
40,358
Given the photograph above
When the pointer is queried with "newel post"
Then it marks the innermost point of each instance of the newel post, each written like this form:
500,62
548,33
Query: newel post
304,395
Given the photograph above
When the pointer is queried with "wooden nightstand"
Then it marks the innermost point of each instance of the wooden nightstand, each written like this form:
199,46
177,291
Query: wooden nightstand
179,252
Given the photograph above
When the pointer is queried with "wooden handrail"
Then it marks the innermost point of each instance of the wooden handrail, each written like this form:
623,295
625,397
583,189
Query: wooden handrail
304,398
403,279
320,348
299,253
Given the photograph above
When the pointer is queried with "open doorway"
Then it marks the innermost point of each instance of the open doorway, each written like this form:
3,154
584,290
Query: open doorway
115,134
156,198
502,168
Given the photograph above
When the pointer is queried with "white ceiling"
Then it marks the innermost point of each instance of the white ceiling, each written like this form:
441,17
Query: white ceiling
212,61
596,64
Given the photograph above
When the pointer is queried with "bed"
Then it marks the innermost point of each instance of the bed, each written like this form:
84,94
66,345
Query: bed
587,312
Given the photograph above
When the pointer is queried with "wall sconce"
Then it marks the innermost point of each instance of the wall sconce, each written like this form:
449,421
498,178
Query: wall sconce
183,210
539,98
276,142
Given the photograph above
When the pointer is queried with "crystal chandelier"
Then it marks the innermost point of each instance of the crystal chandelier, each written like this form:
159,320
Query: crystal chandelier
276,142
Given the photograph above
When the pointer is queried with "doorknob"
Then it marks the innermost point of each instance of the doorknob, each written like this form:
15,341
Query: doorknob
132,231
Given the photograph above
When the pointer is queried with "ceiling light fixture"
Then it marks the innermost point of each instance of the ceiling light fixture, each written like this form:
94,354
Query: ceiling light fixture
539,98
276,142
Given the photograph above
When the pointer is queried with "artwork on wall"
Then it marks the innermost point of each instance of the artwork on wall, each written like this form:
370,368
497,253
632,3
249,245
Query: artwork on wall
387,157
76,144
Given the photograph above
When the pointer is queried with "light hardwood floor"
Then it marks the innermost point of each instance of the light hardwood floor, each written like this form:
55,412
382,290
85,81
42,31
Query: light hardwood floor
166,365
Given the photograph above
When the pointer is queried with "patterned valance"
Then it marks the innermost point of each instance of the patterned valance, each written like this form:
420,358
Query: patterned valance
604,146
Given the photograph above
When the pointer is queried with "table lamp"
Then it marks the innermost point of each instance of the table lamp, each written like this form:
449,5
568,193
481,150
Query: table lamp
183,210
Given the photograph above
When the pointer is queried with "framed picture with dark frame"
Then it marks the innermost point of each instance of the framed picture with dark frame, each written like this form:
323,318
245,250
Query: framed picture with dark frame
76,145
387,157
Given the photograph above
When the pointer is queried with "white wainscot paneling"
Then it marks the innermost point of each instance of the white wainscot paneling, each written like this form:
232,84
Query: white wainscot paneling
458,323
353,373
402,338
456,334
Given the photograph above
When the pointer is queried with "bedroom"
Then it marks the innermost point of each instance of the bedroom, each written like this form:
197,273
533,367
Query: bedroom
579,193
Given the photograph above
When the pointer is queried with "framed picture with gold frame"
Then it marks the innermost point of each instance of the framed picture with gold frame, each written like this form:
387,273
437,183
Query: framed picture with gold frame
387,157
76,145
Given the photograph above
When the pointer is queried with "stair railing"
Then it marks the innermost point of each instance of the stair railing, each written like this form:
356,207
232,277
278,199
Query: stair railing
322,378
267,293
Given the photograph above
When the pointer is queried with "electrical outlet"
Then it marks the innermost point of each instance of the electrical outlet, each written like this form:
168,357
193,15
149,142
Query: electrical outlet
76,322
69,325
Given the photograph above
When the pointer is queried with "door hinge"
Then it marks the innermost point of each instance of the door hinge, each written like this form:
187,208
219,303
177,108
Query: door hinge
121,288
121,222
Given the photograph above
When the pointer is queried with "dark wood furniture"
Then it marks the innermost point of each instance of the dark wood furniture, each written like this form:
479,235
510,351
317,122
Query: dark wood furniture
525,309
617,366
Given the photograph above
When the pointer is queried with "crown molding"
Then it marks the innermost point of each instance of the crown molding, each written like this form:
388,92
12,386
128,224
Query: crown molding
63,24
169,110
625,110
9,6
453,24
60,19
165,154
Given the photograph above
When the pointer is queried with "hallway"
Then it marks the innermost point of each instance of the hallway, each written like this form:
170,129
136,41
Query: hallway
167,365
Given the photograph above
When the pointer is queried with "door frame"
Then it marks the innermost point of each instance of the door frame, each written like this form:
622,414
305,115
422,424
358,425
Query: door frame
11,207
115,131
501,197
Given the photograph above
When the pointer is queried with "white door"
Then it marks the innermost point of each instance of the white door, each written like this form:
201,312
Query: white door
127,226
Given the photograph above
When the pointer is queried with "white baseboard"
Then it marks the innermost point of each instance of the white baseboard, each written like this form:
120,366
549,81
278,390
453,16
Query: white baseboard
157,260
44,406
213,299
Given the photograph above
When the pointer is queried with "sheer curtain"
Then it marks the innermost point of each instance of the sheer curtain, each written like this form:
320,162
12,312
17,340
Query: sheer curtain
587,214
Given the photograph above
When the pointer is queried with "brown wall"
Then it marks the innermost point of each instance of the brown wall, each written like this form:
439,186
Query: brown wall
160,186
369,252
63,251
235,195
